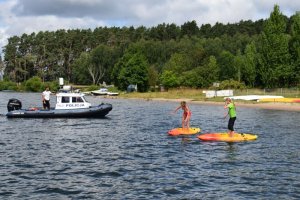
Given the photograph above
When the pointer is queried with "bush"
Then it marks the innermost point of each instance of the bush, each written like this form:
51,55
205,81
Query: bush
191,79
8,85
231,84
93,87
34,84
53,86
169,79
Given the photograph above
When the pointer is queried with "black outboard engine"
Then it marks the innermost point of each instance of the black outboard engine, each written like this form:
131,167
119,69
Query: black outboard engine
14,104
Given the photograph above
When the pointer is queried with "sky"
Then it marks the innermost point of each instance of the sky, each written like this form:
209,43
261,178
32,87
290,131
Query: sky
27,16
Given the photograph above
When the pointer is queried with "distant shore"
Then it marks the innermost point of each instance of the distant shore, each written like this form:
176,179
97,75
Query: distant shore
269,106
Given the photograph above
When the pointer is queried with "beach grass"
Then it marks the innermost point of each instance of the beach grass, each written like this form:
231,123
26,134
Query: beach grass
182,93
199,95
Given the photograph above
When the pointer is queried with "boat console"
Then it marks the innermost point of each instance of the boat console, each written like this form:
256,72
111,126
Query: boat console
71,101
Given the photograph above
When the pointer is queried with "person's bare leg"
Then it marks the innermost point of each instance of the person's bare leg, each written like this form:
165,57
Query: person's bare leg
182,124
188,123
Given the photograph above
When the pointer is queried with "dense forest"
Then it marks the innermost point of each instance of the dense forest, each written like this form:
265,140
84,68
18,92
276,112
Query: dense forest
263,54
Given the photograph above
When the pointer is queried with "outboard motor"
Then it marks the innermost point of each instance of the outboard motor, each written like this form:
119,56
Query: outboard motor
14,104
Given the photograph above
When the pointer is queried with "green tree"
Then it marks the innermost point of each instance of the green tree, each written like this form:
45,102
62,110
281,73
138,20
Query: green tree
86,56
249,65
202,76
274,63
34,84
169,79
235,42
295,46
205,30
135,71
191,79
153,76
1,68
210,72
101,63
231,84
238,63
226,63
81,72
117,70
11,57
213,46
189,29
178,63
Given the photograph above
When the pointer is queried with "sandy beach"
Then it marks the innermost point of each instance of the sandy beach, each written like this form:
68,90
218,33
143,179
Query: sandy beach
270,106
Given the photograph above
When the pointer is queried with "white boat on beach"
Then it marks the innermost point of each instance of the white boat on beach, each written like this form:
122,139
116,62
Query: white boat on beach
103,91
112,93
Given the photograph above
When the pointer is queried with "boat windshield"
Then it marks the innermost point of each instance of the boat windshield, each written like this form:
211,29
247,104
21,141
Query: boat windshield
65,99
77,99
83,98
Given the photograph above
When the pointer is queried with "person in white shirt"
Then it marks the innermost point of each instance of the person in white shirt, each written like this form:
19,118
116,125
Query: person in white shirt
46,98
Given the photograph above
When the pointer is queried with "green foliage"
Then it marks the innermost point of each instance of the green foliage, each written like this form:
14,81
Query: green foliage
134,71
169,79
202,76
156,52
237,64
248,67
53,86
213,46
81,66
192,79
116,71
153,76
8,85
102,61
231,84
113,89
264,53
275,67
93,87
227,68
210,72
95,65
189,28
34,84
178,63
295,46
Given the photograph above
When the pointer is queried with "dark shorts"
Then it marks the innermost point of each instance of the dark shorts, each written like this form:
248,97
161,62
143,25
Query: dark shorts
231,123
46,104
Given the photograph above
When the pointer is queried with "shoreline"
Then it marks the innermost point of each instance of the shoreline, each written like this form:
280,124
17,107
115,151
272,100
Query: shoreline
268,105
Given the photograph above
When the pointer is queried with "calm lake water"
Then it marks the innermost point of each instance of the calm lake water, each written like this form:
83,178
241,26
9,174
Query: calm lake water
128,154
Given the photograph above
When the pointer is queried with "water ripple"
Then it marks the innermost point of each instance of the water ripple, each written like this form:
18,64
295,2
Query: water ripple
128,155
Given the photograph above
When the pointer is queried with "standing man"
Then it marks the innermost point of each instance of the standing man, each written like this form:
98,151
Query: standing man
46,98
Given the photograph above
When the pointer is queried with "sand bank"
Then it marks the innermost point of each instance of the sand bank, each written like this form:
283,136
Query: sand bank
270,106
